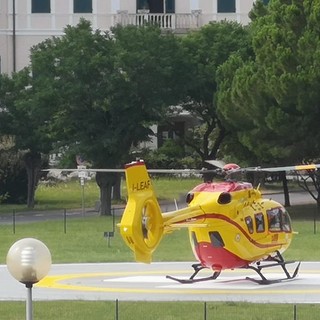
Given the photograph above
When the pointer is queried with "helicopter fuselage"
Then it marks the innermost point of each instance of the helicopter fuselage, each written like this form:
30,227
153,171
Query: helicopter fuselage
230,226
238,227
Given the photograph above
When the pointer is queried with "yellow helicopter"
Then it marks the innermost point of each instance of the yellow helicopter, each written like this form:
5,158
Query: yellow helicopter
230,225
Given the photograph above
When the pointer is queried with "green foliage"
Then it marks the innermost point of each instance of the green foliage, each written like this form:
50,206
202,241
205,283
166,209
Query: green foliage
106,89
172,154
258,10
207,49
24,117
274,98
13,177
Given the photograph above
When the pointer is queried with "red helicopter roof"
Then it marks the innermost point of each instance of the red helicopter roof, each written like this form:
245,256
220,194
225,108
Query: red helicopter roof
227,186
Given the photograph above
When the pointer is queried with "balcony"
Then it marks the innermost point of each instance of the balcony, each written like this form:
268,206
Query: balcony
178,22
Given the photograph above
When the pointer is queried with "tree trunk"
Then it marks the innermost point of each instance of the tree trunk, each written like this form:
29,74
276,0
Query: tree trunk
105,182
33,166
117,188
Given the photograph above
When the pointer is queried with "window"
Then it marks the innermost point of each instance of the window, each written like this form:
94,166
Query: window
226,6
40,6
82,6
259,222
279,220
156,6
285,220
249,224
170,8
216,239
194,239
274,219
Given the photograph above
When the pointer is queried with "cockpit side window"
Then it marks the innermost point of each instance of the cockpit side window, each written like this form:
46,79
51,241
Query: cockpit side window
285,221
260,227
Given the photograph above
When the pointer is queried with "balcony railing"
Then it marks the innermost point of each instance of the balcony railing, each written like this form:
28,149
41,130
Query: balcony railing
172,21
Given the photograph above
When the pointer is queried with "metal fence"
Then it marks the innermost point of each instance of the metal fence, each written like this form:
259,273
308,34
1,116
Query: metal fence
211,311
11,220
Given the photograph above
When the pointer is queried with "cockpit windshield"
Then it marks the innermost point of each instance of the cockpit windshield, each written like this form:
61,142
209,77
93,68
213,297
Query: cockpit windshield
279,220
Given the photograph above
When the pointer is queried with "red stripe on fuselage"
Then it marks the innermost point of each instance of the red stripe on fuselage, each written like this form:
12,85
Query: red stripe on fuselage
228,220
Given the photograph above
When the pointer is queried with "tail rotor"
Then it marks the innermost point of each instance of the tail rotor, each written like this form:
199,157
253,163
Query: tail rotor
141,225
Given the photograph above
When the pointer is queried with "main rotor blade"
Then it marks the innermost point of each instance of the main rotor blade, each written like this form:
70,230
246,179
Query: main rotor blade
285,168
216,163
172,171
85,170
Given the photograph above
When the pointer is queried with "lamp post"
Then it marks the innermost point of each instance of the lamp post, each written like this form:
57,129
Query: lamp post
28,261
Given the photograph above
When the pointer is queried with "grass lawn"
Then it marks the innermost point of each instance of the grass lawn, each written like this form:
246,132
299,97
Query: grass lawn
70,195
107,310
84,241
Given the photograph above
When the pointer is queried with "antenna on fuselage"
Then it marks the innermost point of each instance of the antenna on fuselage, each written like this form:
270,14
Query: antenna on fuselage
176,204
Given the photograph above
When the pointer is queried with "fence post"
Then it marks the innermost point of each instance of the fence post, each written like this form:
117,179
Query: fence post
116,317
295,312
65,220
205,310
113,219
14,221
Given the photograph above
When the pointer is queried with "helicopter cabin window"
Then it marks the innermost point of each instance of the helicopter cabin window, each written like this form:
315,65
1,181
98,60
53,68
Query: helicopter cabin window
279,220
194,239
249,224
259,222
216,239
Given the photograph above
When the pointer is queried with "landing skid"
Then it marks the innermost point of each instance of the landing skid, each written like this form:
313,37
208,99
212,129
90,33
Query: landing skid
196,267
278,261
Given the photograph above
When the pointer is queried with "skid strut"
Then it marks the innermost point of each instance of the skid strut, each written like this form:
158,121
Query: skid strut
278,261
196,267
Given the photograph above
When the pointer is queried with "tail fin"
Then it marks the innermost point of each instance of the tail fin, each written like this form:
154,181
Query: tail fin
141,226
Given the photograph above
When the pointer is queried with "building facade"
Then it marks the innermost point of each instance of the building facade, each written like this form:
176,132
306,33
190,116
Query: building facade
24,23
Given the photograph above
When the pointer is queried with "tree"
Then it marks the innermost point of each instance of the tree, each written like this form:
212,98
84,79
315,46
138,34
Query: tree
13,177
108,89
272,101
23,118
207,49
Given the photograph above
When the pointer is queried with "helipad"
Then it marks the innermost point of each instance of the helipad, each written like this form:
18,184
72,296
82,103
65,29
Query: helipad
134,281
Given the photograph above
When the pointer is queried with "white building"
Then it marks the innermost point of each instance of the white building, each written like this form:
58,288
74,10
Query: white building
24,23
